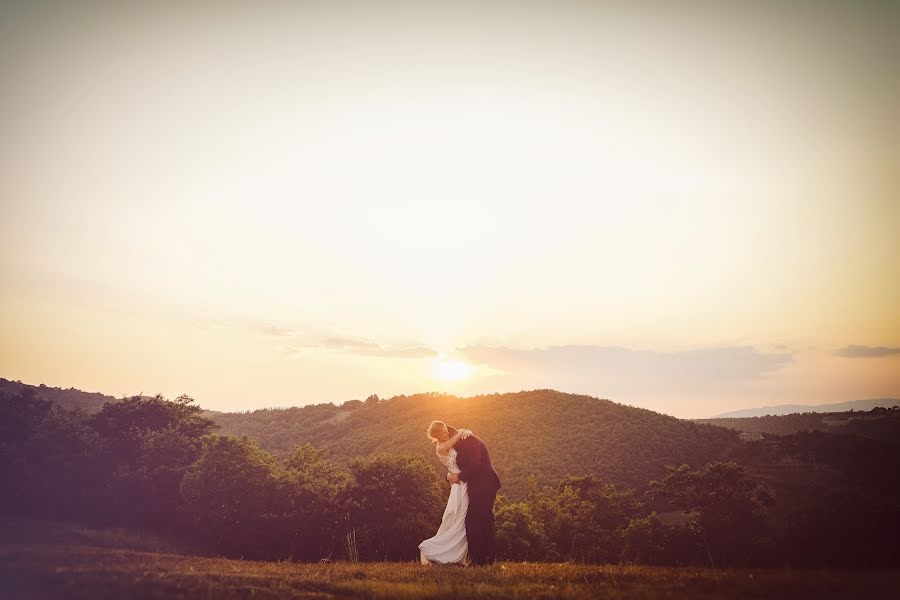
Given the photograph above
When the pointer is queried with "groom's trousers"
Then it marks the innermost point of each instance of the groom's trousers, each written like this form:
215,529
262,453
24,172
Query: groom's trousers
480,525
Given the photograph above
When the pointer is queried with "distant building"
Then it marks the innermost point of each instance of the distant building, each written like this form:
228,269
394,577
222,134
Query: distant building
747,436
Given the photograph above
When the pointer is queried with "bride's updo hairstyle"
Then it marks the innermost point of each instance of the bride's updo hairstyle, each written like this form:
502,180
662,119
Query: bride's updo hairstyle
434,428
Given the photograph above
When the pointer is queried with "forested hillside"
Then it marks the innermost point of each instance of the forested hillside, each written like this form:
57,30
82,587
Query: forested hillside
878,423
544,433
812,498
68,399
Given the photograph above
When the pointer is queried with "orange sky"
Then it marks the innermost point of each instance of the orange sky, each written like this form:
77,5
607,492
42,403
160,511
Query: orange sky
691,211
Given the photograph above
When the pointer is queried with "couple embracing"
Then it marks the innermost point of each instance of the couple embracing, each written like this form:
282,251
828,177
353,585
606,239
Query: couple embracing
466,533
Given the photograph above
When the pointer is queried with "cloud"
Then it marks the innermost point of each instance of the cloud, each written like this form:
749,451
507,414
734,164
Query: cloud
366,348
617,371
854,351
300,340
272,330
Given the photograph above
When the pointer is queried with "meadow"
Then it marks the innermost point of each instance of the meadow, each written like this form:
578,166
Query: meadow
41,559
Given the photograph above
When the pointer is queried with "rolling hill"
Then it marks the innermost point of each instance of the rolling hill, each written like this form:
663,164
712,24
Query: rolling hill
541,433
68,399
544,433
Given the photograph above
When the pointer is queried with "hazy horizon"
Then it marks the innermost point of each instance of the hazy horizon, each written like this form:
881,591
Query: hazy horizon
733,413
692,209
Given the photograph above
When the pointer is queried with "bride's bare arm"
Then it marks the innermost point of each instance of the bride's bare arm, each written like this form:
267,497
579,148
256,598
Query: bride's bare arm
462,434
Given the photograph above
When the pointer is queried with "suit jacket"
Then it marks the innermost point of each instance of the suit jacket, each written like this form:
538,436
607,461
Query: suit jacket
474,462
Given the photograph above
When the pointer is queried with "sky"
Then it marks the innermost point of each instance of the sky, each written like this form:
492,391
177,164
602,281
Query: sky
691,208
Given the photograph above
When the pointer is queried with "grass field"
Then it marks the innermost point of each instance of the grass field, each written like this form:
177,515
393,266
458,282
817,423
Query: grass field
54,560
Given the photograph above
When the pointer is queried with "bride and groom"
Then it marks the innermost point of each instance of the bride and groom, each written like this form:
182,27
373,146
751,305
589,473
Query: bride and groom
466,532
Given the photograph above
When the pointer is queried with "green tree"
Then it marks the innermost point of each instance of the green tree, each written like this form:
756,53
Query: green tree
520,536
584,518
731,508
20,416
146,445
234,494
392,504
315,517
48,458
649,541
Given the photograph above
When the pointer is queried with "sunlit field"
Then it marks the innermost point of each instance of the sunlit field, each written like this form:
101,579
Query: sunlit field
56,560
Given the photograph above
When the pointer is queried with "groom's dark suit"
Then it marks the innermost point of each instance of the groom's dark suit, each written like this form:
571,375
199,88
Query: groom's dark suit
476,470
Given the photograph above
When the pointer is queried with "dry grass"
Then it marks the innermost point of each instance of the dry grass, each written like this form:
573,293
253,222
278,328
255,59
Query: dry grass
40,560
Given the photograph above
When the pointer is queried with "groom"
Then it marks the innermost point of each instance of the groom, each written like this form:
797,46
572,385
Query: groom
476,470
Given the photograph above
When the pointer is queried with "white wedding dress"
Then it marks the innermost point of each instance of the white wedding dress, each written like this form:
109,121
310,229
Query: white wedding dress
449,544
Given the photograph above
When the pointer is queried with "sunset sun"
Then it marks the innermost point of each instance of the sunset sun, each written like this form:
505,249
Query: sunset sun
451,369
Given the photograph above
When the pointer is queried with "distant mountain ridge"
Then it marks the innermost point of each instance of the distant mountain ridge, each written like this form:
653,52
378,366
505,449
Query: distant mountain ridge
789,409
879,423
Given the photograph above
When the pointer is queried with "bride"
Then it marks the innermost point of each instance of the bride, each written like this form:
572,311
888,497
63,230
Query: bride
449,544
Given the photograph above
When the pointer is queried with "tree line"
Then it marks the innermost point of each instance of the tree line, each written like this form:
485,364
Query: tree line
160,466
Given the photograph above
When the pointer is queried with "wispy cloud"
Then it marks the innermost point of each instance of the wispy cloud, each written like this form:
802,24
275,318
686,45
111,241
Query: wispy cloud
855,351
620,371
366,348
272,330
297,340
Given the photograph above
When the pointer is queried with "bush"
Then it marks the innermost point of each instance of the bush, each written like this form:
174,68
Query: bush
234,493
731,506
392,504
315,517
583,518
520,536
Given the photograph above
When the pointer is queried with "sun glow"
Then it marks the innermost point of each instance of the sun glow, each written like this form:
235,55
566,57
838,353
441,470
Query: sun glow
451,369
